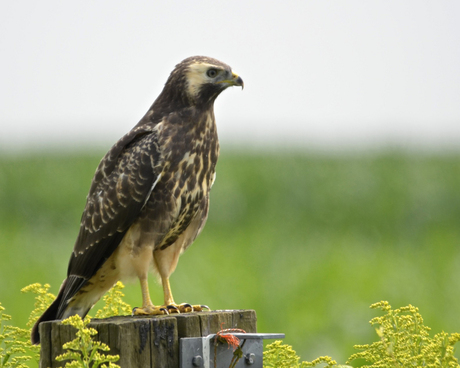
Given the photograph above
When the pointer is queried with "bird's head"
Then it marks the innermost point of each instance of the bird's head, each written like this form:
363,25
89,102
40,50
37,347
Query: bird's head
206,78
199,80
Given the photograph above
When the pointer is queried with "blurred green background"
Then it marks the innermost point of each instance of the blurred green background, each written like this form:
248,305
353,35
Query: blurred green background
309,240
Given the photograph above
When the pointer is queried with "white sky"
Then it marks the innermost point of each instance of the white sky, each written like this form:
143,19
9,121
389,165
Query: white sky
316,73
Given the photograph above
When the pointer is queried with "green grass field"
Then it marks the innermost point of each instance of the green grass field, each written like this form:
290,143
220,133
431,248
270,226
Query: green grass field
307,240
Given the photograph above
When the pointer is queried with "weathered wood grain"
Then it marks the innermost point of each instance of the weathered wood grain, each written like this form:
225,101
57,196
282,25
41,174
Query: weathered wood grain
144,341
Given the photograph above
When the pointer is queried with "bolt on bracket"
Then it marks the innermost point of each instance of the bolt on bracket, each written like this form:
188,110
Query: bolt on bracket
196,352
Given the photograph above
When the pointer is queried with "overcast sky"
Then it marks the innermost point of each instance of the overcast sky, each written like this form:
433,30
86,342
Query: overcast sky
316,73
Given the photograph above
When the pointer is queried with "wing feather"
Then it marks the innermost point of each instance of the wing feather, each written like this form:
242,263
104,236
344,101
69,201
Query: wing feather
120,188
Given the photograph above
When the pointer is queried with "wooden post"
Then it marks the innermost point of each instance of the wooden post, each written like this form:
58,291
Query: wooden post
144,341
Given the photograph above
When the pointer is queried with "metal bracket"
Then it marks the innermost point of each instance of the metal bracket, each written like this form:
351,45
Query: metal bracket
196,352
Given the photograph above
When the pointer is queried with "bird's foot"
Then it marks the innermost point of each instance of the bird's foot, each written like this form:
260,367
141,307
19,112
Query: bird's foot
169,309
186,308
150,310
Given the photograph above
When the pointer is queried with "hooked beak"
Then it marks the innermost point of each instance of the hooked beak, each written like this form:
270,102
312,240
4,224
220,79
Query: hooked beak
235,81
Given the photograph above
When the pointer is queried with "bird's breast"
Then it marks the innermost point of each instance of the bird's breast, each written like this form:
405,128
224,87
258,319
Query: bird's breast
186,179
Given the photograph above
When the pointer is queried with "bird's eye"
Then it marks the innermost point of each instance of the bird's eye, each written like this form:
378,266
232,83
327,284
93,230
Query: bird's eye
212,73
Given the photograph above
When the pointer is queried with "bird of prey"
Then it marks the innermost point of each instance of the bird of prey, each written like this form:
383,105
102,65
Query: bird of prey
149,197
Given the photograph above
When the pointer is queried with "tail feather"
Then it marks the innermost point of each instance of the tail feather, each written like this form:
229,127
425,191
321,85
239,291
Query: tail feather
49,315
58,309
73,284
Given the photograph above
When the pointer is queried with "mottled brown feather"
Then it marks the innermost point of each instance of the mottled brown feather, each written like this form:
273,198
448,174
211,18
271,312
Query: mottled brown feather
120,188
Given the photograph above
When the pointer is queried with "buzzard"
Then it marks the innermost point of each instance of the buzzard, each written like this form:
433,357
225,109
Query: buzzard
149,197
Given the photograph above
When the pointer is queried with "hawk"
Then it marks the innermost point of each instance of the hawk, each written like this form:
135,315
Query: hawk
149,197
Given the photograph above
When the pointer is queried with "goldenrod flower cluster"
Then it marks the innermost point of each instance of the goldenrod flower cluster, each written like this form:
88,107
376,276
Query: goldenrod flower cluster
114,304
279,355
83,351
12,344
404,341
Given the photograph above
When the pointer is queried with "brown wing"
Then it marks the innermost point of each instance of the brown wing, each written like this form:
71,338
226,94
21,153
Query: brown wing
121,186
